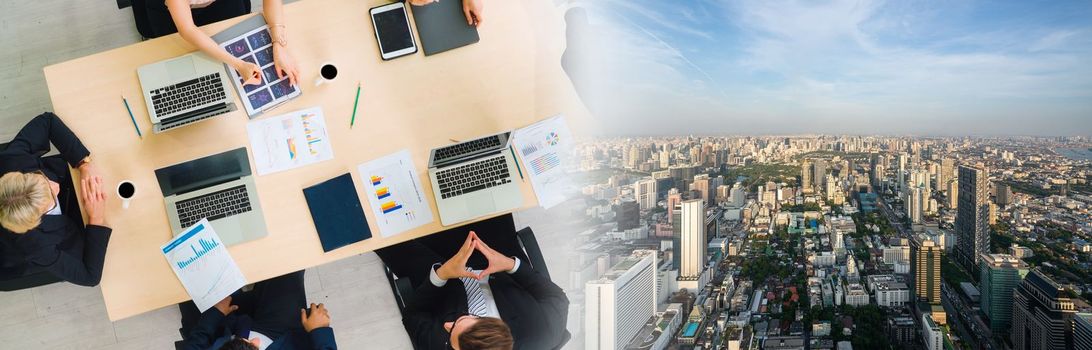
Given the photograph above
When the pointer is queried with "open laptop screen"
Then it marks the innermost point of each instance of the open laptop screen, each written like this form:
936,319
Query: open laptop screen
203,172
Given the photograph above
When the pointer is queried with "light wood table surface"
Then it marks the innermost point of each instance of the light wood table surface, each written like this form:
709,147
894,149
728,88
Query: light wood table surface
510,79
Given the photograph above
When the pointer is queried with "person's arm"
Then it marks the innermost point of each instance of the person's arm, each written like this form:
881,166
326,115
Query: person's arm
317,325
183,20
34,138
88,270
424,325
278,29
203,333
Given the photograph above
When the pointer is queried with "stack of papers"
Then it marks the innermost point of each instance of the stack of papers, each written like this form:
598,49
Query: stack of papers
202,263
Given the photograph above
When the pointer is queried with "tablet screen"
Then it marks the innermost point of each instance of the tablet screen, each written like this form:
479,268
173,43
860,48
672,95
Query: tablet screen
393,30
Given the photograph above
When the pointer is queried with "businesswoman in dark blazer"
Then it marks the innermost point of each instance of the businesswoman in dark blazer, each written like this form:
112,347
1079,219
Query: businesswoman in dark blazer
40,221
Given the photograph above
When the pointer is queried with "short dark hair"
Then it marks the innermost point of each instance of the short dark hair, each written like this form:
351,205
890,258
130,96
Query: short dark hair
238,344
489,333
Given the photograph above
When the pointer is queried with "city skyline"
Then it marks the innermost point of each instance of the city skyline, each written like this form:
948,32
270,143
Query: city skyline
841,67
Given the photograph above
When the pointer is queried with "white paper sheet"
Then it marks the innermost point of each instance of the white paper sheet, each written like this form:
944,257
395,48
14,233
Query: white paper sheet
545,149
203,264
289,141
395,194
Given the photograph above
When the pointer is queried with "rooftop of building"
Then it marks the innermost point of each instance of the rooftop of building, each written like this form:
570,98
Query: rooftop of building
1003,261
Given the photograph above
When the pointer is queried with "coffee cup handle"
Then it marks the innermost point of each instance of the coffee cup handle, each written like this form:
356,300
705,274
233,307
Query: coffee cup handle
320,80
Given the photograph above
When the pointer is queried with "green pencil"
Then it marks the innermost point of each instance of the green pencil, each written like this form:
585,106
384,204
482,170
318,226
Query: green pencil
355,103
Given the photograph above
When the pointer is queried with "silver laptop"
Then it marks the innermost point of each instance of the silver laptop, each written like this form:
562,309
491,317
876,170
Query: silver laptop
184,90
218,187
474,178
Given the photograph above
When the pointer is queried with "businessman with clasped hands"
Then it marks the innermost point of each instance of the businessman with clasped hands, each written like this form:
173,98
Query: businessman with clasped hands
501,304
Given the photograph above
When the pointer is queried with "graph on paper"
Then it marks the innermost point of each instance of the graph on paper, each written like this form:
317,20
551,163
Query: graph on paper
544,146
394,193
289,141
203,265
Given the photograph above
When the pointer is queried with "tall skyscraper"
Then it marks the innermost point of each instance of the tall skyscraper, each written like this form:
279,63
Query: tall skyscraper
805,176
972,217
902,172
819,173
944,175
925,268
620,302
953,194
998,275
644,190
692,241
1042,316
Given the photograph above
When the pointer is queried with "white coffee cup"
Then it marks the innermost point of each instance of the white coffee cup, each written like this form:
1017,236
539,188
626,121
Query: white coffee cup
327,73
126,191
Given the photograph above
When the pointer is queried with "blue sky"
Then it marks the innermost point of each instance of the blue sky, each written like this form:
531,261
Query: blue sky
859,67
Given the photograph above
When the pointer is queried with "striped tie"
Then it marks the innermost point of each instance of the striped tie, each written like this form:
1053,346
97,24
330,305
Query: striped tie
475,298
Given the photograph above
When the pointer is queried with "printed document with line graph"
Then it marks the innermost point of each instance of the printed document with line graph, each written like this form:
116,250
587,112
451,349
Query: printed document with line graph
289,140
202,263
545,148
394,193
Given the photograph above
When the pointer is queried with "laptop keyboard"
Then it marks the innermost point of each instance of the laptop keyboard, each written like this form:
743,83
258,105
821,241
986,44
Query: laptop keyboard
188,94
473,176
216,205
469,147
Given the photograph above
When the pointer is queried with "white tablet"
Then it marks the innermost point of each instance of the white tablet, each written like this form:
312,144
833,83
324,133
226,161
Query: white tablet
392,30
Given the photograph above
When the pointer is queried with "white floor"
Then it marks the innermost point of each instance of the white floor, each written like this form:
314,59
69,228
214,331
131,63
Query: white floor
35,33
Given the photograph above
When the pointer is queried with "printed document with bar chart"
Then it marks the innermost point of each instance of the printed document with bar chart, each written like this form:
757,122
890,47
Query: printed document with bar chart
289,141
202,263
394,193
545,148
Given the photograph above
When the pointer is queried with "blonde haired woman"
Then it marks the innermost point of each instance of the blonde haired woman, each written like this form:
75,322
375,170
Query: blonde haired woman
40,221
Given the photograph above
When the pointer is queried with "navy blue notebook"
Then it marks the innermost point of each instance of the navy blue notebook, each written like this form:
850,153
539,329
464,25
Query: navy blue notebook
336,210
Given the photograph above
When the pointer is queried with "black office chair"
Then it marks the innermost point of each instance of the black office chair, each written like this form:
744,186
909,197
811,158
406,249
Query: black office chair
15,276
140,16
403,289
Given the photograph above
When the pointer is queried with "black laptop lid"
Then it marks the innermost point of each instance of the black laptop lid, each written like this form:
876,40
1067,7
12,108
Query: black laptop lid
442,26
203,172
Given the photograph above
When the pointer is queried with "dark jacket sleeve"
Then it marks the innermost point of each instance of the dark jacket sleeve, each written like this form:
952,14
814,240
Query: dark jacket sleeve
423,321
44,129
86,271
323,339
203,334
553,300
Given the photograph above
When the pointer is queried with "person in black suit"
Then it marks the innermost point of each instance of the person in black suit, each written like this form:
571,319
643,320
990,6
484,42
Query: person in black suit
40,220
271,317
498,303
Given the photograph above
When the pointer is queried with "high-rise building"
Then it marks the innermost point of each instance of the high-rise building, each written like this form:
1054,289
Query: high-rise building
805,176
701,185
739,195
915,204
925,268
673,200
972,217
953,194
619,303
692,241
819,174
934,338
1082,331
998,276
1042,314
944,175
1003,195
644,190
628,215
902,172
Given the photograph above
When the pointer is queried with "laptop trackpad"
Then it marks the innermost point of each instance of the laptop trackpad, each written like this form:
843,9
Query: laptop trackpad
482,205
181,68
